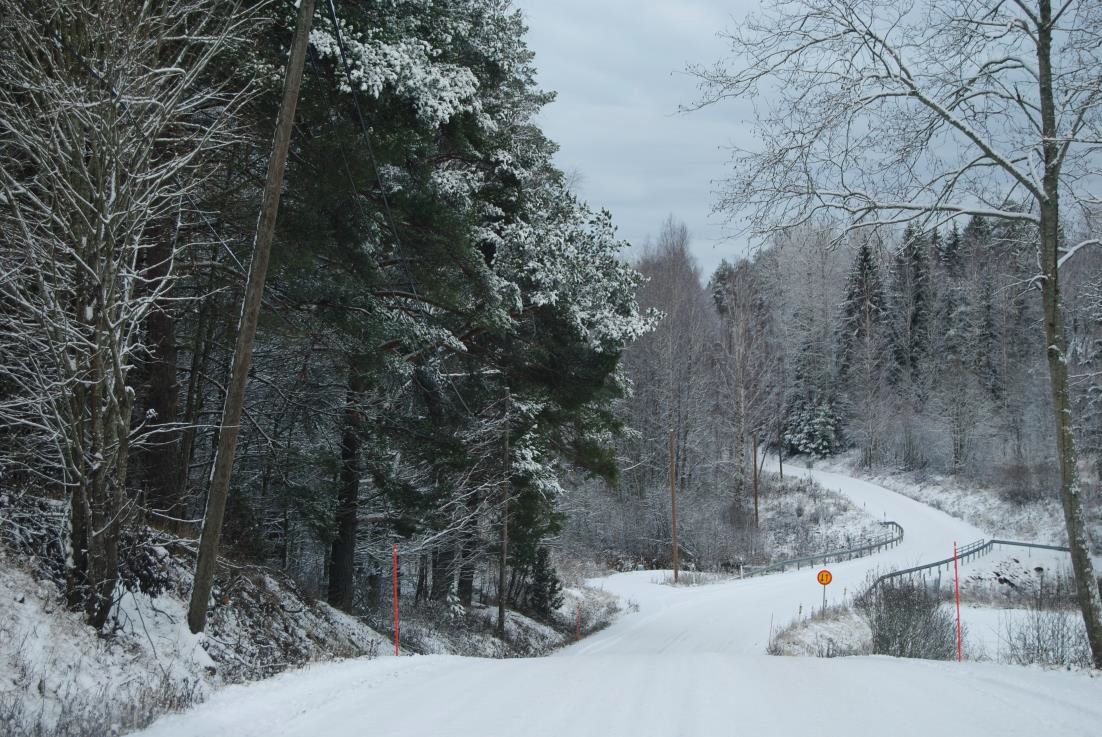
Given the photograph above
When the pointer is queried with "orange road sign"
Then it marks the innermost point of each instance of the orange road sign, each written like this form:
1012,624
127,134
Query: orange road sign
824,577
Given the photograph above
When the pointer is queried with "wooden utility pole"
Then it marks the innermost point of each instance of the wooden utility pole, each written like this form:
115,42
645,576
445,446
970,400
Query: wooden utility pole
246,330
673,499
507,485
780,451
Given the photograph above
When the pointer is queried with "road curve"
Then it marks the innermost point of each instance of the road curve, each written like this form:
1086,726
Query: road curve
689,662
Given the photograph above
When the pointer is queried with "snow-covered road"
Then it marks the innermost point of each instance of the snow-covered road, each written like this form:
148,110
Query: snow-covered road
689,662
735,618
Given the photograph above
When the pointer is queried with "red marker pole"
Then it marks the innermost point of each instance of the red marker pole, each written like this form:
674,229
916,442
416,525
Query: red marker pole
956,577
396,635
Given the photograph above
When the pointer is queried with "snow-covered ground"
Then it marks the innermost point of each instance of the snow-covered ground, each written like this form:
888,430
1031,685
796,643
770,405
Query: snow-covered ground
681,661
800,519
56,673
1040,521
646,696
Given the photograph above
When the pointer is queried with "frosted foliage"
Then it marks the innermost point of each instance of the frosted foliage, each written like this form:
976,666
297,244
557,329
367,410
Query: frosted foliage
409,50
527,460
569,259
410,68
458,184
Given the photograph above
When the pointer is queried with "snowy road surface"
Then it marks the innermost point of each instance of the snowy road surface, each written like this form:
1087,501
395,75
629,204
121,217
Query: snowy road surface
688,662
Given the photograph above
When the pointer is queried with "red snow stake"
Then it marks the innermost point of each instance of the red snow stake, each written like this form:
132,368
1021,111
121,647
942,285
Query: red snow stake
396,636
956,577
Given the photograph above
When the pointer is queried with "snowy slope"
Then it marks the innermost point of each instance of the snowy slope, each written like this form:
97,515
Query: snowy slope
58,675
1040,521
688,662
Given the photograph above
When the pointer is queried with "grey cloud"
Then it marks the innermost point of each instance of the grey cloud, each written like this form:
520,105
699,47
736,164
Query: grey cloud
618,68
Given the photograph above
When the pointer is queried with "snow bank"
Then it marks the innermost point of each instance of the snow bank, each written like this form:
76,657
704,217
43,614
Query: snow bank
473,632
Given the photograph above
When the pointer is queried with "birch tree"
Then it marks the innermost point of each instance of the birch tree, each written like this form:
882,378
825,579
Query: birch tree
749,364
883,112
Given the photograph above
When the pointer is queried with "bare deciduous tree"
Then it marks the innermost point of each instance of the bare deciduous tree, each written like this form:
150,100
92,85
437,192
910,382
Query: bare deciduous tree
749,366
106,125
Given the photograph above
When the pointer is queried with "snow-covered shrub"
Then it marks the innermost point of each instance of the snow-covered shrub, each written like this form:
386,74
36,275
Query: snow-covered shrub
590,610
430,629
109,712
696,578
908,621
1022,483
1047,637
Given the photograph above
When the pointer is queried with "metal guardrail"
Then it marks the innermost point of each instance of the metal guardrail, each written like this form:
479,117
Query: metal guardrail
975,549
887,540
1059,548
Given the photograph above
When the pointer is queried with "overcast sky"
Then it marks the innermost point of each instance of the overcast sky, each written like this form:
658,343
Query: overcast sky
618,67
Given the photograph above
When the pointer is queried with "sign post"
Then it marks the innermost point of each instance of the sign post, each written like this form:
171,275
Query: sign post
824,578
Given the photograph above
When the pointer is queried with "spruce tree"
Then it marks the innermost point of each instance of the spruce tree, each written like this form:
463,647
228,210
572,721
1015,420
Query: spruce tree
948,251
862,310
910,303
985,345
545,589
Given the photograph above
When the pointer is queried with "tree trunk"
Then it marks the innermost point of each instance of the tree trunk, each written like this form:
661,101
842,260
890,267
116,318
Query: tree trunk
422,579
76,573
507,489
375,587
467,552
342,566
1070,488
160,457
193,406
442,574
503,561
674,557
780,451
1086,583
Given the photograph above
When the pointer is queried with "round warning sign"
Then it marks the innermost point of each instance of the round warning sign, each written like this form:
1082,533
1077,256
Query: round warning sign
825,577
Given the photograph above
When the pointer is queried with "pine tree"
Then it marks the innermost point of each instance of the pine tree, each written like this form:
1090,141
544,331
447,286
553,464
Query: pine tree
959,393
813,429
976,237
